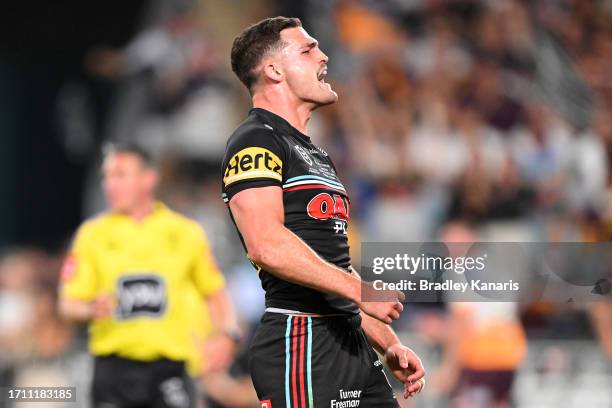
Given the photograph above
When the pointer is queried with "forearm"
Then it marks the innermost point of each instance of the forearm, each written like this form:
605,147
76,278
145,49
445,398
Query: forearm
221,311
234,392
75,310
285,255
381,335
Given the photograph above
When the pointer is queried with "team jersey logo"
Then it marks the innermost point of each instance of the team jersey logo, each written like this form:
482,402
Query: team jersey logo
324,206
304,154
141,296
253,162
174,392
266,404
347,398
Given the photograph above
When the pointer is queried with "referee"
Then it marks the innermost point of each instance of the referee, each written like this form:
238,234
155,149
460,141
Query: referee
314,345
138,274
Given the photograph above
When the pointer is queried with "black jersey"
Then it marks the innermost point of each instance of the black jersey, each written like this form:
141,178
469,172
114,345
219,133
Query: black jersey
267,151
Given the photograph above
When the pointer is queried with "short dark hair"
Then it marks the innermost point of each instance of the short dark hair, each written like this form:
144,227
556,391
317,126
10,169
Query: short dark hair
254,42
130,147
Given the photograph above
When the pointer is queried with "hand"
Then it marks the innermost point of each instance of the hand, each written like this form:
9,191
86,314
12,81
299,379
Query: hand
102,307
407,367
218,353
388,305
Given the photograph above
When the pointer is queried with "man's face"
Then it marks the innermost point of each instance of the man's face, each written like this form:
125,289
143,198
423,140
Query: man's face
127,181
305,67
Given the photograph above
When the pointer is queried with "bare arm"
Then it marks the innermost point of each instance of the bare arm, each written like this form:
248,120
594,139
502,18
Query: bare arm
381,335
85,311
601,317
221,312
405,365
220,348
259,215
232,392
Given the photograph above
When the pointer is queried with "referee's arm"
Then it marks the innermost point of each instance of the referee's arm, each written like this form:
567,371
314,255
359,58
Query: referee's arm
259,215
79,298
85,311
209,281
220,348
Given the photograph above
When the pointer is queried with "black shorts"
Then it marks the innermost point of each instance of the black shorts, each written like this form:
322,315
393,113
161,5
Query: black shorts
124,383
306,362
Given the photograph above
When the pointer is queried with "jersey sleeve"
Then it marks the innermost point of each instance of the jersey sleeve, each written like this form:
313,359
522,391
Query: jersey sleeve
253,159
207,276
77,276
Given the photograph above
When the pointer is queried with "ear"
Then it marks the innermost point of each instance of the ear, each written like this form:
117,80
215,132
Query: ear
273,72
151,178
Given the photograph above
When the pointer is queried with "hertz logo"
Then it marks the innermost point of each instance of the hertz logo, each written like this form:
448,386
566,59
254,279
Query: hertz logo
253,162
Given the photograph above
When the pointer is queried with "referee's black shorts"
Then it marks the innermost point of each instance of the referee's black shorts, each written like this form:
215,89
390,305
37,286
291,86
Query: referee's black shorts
307,362
124,383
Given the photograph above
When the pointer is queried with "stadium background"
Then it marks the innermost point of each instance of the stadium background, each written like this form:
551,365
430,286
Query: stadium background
457,119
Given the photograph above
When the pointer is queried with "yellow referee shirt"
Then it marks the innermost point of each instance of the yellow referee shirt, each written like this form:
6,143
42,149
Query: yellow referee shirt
158,269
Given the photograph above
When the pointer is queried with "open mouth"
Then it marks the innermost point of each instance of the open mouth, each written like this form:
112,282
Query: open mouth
322,75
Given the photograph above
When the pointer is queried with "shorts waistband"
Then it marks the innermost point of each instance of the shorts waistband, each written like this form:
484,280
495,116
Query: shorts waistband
341,321
298,313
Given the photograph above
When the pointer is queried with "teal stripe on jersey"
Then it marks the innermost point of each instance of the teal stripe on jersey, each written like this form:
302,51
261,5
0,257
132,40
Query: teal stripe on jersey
287,362
309,365
313,183
309,177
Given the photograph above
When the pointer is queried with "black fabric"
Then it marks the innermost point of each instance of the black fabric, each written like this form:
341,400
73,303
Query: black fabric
123,383
345,370
315,201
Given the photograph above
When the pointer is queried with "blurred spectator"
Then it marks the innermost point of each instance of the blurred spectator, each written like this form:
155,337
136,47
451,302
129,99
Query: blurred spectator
484,347
29,326
17,312
458,116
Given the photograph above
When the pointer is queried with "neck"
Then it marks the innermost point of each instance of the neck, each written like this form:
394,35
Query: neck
139,212
293,110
